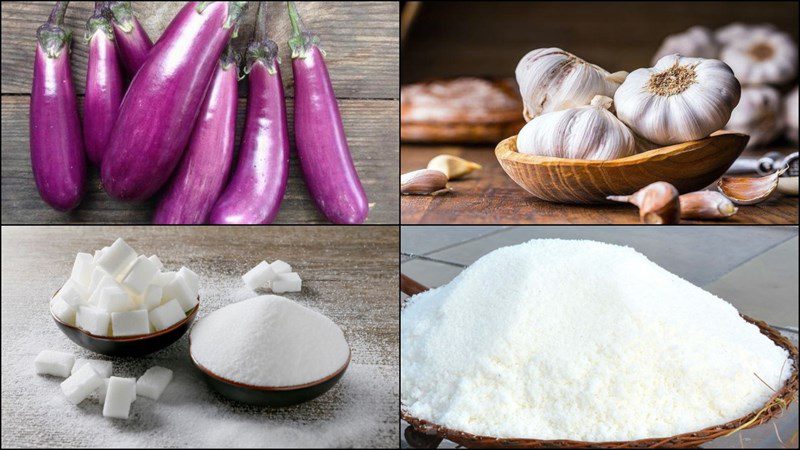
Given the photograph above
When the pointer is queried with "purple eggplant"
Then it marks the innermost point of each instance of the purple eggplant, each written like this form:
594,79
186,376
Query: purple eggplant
256,189
157,114
104,85
57,157
203,170
132,41
318,132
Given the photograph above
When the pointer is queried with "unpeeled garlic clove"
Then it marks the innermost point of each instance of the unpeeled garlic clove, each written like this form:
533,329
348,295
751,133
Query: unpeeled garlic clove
747,190
706,205
658,203
423,182
453,166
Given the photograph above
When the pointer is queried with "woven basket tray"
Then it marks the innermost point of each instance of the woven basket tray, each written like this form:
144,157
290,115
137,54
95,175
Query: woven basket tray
424,434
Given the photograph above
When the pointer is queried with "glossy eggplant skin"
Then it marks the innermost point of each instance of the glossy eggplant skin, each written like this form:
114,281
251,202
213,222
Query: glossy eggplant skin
204,168
158,113
57,152
319,134
132,41
104,87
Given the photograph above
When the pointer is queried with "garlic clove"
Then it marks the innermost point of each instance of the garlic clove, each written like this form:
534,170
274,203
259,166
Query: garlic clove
747,190
453,166
658,203
706,205
423,182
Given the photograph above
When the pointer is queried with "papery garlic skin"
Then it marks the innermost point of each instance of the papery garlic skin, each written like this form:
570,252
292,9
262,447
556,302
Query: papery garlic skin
762,57
737,30
586,132
680,99
758,114
695,42
791,108
551,79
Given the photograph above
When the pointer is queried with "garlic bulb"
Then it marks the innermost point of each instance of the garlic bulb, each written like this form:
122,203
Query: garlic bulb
696,42
763,56
737,31
680,99
585,132
758,114
791,110
551,79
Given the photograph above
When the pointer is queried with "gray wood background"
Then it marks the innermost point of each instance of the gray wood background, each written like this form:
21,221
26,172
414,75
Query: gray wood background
349,274
362,44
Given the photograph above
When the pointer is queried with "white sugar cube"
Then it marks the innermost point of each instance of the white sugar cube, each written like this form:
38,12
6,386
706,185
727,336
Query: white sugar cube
98,254
101,391
63,311
154,259
49,362
166,315
259,275
151,297
115,299
191,278
286,282
82,269
93,320
98,273
72,294
164,278
140,275
118,399
80,384
180,289
117,258
130,323
103,368
153,382
106,282
279,266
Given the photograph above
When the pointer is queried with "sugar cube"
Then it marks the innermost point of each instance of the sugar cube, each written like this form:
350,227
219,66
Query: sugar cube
140,275
103,368
49,362
101,391
167,315
97,254
154,259
118,398
130,323
180,289
191,278
98,273
115,299
151,297
82,269
117,258
63,311
105,282
80,384
93,320
164,278
74,293
279,266
153,382
259,275
286,282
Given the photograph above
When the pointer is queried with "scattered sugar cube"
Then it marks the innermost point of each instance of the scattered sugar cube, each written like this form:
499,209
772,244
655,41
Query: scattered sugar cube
63,311
154,259
152,297
259,275
117,258
49,362
93,320
115,299
286,282
130,323
180,289
153,382
103,368
82,269
166,315
141,275
118,398
80,384
279,266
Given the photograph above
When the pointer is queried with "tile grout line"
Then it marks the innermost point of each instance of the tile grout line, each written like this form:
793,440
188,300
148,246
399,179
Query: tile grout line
467,241
416,257
772,247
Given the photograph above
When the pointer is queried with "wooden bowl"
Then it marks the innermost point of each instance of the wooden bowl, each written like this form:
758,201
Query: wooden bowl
689,167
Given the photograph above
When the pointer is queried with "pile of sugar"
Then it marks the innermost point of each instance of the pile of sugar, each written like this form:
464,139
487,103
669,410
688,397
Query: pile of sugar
558,339
269,341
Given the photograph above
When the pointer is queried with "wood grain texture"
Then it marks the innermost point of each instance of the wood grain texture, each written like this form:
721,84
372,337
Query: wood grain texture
490,196
362,44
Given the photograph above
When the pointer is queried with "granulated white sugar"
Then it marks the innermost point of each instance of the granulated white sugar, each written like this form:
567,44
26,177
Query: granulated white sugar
269,341
557,339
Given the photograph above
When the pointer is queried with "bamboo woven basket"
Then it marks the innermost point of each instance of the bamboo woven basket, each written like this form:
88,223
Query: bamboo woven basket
424,434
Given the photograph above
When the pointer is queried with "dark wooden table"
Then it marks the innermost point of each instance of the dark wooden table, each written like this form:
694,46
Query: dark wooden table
489,196
362,44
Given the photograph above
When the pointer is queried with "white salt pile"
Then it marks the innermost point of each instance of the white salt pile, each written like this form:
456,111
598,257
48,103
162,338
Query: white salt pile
556,339
269,341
